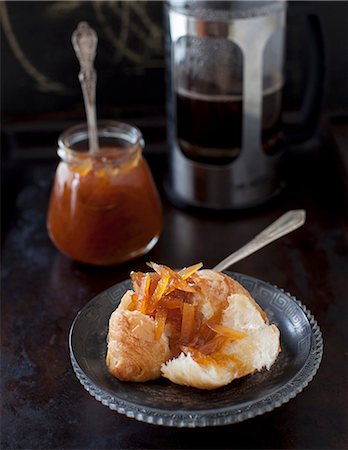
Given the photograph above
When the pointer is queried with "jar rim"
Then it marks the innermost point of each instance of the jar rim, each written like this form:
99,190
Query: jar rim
130,134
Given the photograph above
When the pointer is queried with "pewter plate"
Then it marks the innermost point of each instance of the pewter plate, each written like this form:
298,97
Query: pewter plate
161,402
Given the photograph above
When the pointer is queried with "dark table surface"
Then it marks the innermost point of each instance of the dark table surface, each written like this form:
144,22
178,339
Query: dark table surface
44,405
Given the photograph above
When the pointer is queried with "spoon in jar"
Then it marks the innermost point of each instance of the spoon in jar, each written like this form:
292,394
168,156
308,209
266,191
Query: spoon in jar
84,40
286,223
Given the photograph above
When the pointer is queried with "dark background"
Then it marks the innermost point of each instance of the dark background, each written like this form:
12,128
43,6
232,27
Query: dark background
39,69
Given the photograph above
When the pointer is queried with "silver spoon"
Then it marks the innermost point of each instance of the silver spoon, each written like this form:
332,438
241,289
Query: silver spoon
286,223
84,40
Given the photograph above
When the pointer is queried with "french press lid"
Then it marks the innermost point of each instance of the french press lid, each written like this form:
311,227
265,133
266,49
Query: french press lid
216,11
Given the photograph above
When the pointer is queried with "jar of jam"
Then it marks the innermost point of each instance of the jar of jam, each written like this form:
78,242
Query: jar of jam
104,207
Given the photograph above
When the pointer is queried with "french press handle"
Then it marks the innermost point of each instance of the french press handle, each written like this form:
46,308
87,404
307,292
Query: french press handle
303,129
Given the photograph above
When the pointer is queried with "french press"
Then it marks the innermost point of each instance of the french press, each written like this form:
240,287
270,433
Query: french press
225,79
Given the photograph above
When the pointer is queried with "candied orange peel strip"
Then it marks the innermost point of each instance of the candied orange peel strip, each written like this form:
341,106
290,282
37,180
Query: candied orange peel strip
161,317
159,291
136,278
186,272
181,279
143,295
178,280
161,269
181,285
188,317
227,332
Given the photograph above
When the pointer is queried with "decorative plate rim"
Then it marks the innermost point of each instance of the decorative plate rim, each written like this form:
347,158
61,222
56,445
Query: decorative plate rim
226,416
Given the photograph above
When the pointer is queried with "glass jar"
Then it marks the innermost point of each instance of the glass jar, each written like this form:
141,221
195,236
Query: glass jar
104,208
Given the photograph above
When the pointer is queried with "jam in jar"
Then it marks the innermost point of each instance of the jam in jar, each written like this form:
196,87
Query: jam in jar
104,207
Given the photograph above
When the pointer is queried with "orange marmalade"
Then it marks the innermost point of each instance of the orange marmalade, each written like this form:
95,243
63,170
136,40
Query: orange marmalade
104,207
172,299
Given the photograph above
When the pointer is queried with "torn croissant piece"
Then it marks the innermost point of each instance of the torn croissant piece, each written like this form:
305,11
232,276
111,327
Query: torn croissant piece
134,353
195,327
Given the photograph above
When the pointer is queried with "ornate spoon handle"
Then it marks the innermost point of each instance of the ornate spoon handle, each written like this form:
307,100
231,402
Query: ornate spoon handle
288,222
84,40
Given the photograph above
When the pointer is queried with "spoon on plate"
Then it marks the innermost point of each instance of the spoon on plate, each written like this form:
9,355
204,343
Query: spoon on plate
286,223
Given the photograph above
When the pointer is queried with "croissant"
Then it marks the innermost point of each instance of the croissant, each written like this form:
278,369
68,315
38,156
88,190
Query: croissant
197,328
